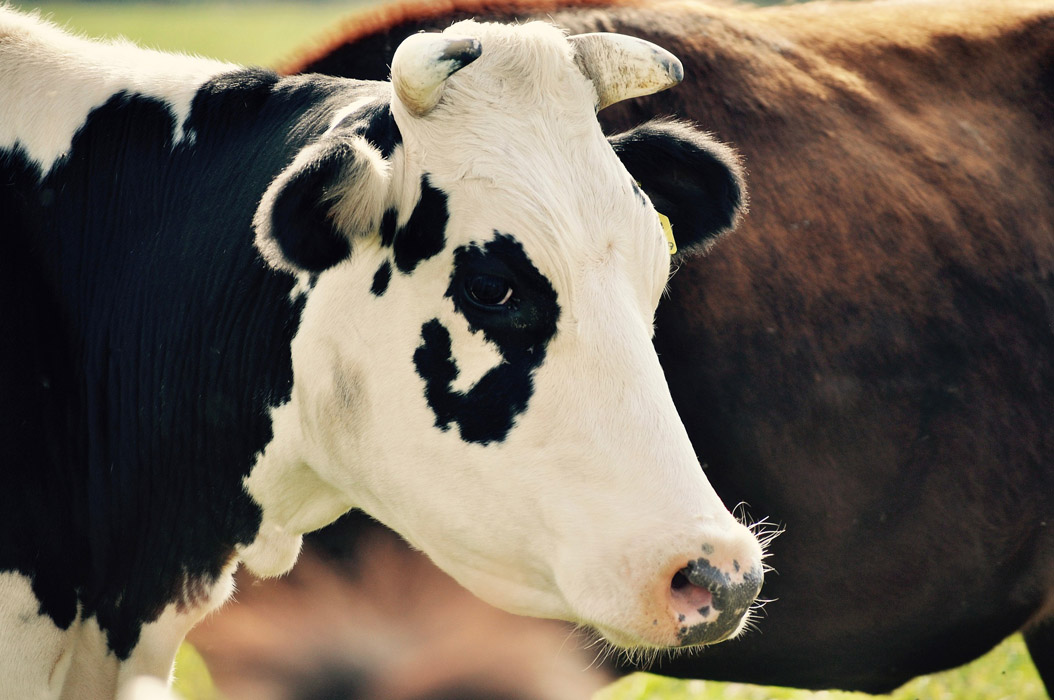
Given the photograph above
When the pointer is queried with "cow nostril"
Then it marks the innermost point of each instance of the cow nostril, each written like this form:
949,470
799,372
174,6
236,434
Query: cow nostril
679,581
688,597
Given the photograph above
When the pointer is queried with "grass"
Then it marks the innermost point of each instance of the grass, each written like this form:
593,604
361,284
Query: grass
1005,673
192,679
264,33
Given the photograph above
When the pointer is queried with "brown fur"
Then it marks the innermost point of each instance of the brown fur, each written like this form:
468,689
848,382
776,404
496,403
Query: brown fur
868,358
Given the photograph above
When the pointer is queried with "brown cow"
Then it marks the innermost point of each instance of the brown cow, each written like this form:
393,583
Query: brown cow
869,359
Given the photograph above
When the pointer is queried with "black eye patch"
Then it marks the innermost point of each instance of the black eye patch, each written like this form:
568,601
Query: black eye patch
527,320
521,328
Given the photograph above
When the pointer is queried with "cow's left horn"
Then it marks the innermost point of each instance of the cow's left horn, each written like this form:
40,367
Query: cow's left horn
423,62
622,66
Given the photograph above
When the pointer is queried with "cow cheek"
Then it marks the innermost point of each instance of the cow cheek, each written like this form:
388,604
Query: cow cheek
335,415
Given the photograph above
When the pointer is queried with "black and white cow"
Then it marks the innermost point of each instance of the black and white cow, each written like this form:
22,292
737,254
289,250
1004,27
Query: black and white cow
235,306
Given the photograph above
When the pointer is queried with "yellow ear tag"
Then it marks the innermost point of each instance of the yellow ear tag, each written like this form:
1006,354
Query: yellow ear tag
667,228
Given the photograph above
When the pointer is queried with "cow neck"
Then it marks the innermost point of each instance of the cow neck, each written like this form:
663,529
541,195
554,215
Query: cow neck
157,342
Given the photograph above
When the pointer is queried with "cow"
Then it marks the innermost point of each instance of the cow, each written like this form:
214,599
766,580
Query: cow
866,360
237,305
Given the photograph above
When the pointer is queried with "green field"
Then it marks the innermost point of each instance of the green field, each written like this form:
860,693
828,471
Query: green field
249,33
264,33
1006,673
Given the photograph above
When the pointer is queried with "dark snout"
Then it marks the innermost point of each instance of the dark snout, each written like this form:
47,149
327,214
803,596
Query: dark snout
712,600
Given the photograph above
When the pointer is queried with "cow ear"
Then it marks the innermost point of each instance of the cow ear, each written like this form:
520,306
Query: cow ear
333,192
695,181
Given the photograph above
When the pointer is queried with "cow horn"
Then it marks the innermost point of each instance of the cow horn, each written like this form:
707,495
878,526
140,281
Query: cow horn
423,62
622,66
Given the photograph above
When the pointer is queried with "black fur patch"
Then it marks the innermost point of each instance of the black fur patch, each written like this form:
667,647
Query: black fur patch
424,234
233,96
380,128
521,331
375,123
152,342
381,278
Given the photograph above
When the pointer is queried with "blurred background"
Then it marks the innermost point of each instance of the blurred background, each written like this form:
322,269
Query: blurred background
242,32
362,616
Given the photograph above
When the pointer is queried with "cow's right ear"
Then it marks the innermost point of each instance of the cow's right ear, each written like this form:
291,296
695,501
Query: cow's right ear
333,192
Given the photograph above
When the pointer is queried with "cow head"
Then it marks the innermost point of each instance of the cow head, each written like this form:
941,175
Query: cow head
474,364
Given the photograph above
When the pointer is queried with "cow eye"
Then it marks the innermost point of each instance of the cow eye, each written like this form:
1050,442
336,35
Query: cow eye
488,291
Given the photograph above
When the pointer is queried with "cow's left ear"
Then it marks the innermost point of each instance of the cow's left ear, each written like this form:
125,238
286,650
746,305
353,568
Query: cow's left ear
333,192
694,180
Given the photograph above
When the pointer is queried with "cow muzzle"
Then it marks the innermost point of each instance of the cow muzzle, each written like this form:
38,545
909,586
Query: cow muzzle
701,596
711,601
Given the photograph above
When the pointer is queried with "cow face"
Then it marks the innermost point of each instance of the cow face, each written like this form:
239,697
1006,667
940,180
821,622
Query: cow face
474,364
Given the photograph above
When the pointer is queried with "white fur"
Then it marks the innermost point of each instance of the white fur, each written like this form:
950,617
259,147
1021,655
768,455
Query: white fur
50,81
595,498
147,688
39,661
33,655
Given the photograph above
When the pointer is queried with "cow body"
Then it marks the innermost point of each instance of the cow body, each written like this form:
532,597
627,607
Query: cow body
867,359
203,276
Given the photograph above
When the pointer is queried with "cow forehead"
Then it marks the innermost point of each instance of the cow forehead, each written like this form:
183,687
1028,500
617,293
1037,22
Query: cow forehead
515,144
527,66
568,217
523,95
562,219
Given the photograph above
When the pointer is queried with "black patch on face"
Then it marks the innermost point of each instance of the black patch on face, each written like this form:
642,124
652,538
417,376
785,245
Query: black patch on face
521,329
381,278
485,414
389,226
424,234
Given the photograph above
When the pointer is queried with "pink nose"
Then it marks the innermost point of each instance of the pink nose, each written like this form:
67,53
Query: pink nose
710,601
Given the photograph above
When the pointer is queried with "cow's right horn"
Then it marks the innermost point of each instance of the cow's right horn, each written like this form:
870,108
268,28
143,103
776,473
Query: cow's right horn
423,62
622,66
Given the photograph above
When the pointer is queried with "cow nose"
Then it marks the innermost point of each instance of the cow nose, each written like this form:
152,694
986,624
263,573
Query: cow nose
711,601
